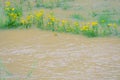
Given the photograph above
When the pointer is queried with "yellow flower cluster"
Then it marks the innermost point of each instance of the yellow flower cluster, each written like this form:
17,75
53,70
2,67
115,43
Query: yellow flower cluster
64,22
23,21
76,24
12,9
51,18
13,16
39,14
29,17
84,28
27,20
94,23
112,25
9,9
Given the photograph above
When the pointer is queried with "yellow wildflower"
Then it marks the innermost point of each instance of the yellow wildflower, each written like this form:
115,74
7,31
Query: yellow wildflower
48,23
84,28
112,25
42,11
115,25
49,16
109,25
76,24
15,16
7,3
64,21
28,18
23,21
52,19
38,15
94,23
13,9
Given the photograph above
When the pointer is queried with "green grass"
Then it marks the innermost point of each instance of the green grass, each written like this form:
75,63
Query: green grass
77,17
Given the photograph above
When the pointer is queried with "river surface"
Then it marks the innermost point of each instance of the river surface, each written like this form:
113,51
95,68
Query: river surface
41,55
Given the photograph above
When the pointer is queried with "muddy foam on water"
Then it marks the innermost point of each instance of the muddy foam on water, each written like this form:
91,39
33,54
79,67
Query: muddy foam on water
41,55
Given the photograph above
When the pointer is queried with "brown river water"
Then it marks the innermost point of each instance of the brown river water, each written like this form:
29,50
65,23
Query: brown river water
41,55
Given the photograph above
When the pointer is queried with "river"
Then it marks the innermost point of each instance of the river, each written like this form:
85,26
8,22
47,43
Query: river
41,55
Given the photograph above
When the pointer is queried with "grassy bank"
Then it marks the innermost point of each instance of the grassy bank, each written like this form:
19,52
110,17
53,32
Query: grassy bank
21,16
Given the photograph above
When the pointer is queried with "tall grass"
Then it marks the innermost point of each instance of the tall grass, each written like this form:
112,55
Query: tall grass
2,19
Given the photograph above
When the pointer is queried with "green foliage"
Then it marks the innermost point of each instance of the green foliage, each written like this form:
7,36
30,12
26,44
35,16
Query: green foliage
13,15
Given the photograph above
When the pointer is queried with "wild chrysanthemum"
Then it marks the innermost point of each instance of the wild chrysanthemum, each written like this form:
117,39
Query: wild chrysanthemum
23,21
7,4
13,9
84,28
94,23
76,24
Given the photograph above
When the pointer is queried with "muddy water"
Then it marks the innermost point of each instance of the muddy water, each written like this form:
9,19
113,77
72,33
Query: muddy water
38,55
